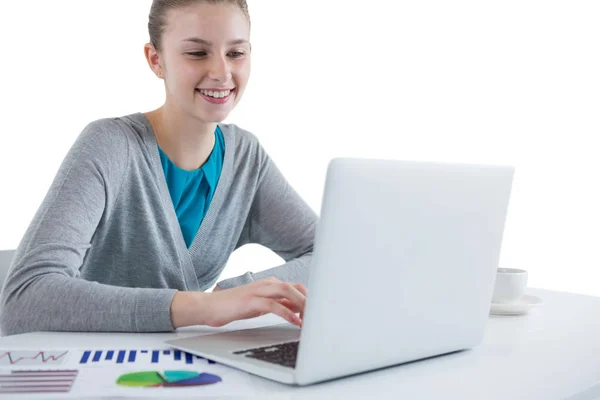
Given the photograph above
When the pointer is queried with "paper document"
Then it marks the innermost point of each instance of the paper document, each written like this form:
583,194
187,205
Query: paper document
144,373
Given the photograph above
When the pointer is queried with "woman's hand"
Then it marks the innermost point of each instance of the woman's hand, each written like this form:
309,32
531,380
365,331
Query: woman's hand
255,299
223,306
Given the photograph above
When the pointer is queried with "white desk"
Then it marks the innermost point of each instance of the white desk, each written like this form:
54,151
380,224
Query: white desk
551,353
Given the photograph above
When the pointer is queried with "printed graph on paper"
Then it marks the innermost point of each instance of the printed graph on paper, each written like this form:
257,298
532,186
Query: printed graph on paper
24,358
128,357
36,381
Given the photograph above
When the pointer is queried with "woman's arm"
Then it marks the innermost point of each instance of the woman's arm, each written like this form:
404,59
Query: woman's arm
283,222
43,290
246,301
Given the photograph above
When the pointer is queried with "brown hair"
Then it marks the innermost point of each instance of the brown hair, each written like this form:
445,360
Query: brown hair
157,20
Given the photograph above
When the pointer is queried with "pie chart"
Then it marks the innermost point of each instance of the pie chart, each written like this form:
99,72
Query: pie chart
167,379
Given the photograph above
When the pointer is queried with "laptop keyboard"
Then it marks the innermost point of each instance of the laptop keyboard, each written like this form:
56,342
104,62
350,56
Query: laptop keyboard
282,354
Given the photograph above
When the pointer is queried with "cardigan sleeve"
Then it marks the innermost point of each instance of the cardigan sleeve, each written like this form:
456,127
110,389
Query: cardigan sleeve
43,290
282,221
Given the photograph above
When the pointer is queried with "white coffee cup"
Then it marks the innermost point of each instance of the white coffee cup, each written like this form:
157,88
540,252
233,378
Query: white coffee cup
510,285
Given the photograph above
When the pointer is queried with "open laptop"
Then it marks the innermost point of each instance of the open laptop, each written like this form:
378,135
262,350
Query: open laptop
403,268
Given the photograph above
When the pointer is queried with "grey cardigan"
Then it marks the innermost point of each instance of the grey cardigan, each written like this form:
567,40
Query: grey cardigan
104,251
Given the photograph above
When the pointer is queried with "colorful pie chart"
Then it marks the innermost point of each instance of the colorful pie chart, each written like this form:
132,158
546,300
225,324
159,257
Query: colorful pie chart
167,379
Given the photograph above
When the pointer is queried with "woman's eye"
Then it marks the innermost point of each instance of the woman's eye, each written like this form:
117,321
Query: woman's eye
234,54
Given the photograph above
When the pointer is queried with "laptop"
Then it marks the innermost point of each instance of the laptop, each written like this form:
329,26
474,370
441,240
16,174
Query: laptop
403,269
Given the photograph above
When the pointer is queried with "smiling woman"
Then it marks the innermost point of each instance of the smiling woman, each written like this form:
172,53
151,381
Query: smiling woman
146,208
202,52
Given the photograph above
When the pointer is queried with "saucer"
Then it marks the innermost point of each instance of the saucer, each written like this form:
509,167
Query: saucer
526,303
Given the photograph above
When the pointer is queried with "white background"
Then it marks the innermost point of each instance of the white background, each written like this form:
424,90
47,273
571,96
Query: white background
509,82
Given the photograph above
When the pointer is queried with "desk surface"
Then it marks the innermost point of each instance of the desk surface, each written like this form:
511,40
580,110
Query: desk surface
551,353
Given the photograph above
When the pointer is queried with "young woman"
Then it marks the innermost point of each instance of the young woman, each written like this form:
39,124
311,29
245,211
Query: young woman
146,208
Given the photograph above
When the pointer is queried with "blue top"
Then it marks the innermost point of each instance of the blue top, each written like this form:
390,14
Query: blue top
192,191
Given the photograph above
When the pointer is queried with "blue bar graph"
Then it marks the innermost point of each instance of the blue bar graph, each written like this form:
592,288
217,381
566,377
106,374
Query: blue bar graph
139,356
85,357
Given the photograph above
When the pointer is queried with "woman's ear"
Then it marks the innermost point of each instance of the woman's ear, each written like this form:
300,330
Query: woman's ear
153,58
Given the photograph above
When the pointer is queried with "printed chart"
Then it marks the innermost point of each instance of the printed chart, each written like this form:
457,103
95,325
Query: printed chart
119,372
167,379
39,381
31,358
98,357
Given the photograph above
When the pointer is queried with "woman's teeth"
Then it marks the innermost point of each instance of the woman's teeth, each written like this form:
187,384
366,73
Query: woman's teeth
216,95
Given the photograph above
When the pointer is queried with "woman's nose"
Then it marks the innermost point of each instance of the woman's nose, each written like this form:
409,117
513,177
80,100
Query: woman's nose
219,69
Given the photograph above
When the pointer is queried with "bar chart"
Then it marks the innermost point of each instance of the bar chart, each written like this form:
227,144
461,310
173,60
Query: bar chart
122,356
36,381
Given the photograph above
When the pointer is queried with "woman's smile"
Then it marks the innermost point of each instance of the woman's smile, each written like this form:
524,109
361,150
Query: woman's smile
216,96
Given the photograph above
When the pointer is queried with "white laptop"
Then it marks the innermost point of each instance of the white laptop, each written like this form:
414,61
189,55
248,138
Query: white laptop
403,269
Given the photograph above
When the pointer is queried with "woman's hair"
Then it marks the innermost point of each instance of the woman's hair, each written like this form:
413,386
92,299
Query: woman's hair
157,19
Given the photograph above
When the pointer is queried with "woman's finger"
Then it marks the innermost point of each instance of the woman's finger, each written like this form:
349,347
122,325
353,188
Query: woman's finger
287,303
282,290
292,306
273,306
301,288
304,291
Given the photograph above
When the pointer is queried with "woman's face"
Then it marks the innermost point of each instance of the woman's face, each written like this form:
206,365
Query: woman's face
206,59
